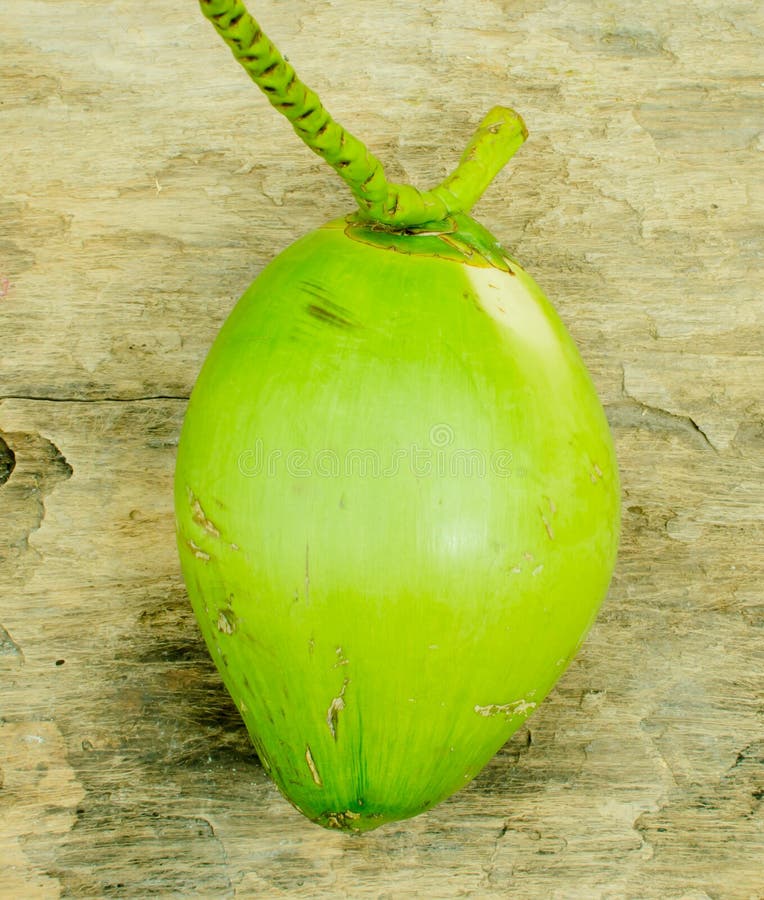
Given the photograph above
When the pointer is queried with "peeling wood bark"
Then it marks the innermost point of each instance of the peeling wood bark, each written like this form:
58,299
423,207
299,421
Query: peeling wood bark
139,201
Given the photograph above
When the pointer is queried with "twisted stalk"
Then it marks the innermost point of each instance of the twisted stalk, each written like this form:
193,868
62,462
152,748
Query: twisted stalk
499,136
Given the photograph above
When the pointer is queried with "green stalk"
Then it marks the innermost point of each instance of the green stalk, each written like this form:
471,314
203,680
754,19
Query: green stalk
499,136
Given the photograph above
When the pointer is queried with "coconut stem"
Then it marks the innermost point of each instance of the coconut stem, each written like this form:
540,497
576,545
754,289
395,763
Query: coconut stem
499,136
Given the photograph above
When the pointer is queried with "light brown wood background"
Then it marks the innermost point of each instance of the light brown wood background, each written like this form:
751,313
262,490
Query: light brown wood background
145,183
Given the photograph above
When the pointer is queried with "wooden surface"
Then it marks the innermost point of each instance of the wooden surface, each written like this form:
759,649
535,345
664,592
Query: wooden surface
145,183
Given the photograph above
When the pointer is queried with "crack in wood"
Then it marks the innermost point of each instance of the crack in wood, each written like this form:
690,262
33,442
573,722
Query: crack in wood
9,647
39,466
7,461
633,413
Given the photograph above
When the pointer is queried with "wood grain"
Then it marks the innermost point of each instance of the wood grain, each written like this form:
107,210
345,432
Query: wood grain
145,183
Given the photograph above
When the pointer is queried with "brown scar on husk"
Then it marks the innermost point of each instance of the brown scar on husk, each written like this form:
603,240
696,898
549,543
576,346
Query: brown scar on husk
546,519
199,516
312,766
516,708
197,550
335,708
341,820
226,621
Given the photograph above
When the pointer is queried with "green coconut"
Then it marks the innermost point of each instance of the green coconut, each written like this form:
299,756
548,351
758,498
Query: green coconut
396,491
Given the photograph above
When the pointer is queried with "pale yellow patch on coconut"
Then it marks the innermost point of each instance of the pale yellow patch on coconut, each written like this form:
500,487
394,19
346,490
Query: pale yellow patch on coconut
510,301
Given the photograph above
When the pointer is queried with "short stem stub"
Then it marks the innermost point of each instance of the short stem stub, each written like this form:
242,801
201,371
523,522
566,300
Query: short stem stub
498,137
